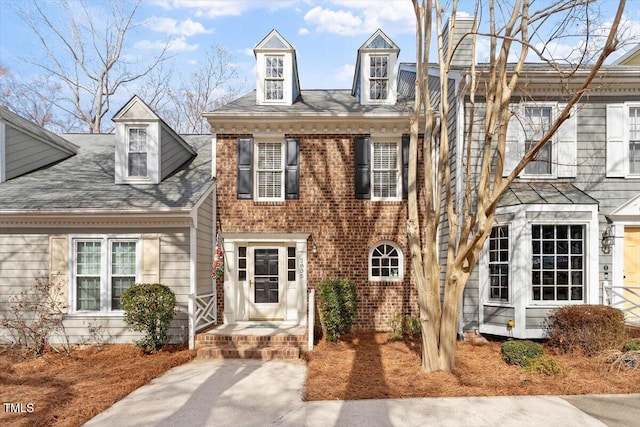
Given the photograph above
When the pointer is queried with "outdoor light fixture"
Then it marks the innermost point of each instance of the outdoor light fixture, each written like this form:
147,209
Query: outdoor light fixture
314,248
607,239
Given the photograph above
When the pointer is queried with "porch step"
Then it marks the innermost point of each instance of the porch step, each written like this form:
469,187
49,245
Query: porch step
246,343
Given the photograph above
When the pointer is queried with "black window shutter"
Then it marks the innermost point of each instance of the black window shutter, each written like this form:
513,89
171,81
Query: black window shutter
405,167
363,168
292,171
245,168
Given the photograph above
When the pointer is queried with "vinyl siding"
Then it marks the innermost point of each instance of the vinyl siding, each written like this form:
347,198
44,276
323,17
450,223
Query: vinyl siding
498,315
172,152
205,246
25,153
24,257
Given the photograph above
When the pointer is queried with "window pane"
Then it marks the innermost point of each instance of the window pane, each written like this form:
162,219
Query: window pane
499,264
88,258
123,258
88,293
634,140
118,286
385,261
385,169
137,164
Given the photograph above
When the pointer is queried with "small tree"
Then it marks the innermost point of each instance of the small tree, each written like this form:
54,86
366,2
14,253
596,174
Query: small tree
337,304
149,309
35,315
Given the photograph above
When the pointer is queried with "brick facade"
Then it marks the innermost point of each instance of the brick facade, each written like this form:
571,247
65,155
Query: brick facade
343,228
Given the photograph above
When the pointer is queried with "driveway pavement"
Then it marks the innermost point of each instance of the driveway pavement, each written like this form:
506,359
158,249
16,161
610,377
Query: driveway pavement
253,393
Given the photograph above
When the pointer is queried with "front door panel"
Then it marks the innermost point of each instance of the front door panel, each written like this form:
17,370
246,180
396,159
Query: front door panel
267,285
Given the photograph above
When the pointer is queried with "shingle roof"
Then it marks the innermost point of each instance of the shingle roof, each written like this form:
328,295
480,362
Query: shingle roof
316,102
543,193
86,181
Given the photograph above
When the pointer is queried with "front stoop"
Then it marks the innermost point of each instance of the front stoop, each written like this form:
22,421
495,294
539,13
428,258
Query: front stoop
248,343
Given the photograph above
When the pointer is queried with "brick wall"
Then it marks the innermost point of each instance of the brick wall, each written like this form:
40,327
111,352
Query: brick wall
343,228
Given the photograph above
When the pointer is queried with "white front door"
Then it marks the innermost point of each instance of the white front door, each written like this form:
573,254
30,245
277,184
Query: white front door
267,282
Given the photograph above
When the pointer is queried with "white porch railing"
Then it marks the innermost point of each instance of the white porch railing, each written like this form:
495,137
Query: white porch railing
206,310
625,298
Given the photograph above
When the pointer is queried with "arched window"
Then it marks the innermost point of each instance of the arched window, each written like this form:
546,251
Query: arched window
386,262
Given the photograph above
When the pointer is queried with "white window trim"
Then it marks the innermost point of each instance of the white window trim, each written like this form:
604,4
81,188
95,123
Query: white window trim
365,94
627,139
398,143
553,141
388,58
256,143
500,302
400,276
128,151
275,79
105,259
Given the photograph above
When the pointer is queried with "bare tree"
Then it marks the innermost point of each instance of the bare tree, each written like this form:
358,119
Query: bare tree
84,54
207,88
513,32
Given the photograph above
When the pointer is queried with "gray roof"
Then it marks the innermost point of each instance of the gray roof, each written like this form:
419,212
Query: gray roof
41,133
86,182
543,193
316,102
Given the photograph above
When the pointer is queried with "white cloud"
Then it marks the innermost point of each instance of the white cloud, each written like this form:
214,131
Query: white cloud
303,31
172,27
218,8
192,61
345,73
176,45
363,17
247,51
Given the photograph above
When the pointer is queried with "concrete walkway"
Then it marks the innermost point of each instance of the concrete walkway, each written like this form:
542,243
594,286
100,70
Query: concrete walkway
253,393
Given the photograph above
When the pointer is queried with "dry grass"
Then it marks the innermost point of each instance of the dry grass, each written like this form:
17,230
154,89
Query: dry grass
369,366
68,391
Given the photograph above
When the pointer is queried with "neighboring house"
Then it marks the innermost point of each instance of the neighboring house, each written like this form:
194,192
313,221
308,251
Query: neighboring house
99,212
312,185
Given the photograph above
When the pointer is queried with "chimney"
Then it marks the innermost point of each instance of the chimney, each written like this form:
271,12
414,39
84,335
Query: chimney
462,53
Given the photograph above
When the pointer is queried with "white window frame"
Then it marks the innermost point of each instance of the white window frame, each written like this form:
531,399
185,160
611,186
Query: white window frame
268,79
128,130
105,271
627,131
585,261
256,170
553,106
400,275
398,170
490,299
371,79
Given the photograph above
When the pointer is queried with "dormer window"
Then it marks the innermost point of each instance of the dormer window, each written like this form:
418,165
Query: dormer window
379,77
274,78
137,152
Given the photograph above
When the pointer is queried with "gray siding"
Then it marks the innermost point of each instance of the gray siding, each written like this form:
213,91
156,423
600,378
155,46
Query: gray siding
498,315
24,257
24,153
205,246
536,317
172,152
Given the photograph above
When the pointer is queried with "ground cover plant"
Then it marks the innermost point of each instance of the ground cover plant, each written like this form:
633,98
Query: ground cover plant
68,390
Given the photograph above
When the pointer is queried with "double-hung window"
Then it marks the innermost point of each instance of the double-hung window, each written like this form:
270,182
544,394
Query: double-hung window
104,268
499,264
634,140
137,152
386,171
274,78
558,262
378,77
270,170
537,123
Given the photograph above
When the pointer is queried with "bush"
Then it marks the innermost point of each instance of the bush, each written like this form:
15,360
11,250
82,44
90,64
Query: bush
35,315
590,329
521,353
401,327
149,309
337,305
546,365
631,345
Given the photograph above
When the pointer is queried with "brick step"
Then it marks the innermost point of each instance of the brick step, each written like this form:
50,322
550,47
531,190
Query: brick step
206,340
249,352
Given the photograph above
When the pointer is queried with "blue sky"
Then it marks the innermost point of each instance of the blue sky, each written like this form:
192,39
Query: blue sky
326,34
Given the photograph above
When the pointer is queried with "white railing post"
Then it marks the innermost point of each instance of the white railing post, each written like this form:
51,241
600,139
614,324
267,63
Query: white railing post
311,317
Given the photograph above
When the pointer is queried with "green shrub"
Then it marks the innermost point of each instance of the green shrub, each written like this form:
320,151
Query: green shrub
337,305
149,309
521,353
401,327
589,329
631,345
546,365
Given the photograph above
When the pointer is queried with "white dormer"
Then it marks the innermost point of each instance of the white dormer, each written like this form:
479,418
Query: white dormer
146,148
374,81
277,77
